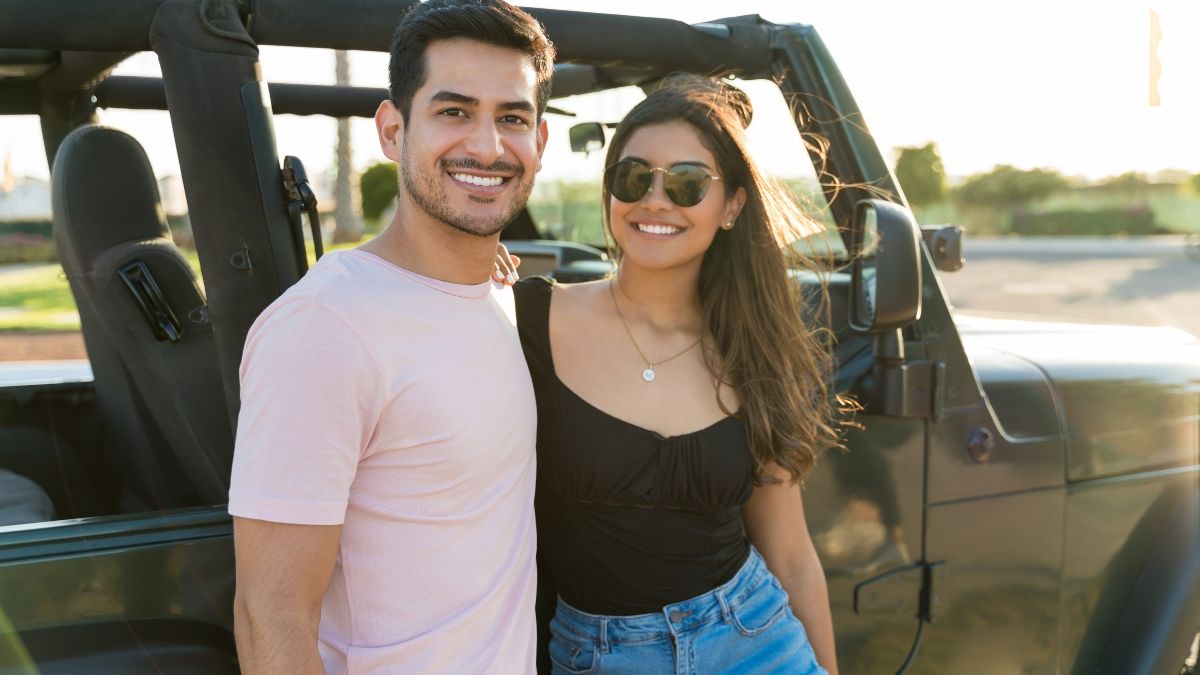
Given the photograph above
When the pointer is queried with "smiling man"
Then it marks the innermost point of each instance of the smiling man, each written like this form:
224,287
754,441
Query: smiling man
383,475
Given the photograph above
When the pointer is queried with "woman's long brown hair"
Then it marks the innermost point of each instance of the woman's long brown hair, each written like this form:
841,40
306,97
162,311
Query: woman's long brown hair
757,333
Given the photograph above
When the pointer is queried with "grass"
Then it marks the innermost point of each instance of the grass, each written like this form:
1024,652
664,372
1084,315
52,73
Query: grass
37,297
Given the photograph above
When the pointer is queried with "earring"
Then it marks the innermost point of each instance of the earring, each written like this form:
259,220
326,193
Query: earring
727,225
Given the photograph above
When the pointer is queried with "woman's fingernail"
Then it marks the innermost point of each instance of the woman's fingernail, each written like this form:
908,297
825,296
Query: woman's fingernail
512,277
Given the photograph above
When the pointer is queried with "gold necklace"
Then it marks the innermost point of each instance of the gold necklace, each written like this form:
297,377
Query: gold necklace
648,373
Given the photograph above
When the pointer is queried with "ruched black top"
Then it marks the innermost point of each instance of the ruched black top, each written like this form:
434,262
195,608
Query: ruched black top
629,520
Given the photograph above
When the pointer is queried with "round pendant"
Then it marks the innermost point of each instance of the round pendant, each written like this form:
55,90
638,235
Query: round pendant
648,374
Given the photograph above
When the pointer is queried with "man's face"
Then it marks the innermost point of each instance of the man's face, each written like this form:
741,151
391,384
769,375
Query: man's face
472,144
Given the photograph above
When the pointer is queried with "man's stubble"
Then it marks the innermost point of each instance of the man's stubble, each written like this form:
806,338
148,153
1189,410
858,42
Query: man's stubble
428,193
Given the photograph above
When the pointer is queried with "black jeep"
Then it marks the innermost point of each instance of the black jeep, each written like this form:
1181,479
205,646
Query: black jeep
1020,497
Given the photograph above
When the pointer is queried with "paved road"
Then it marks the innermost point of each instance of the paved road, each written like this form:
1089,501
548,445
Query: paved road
1148,282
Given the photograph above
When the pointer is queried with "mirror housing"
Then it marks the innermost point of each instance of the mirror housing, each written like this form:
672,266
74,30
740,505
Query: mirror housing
945,246
586,136
885,254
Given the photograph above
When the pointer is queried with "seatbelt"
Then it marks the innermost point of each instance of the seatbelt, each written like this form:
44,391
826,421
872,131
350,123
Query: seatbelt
301,201
151,301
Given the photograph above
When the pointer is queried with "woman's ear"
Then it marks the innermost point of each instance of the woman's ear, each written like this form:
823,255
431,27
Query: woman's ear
733,206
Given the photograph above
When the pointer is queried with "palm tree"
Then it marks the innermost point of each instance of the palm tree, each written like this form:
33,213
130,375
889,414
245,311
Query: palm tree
347,225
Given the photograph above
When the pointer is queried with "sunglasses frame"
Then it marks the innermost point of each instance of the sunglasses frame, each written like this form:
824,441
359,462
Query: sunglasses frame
666,189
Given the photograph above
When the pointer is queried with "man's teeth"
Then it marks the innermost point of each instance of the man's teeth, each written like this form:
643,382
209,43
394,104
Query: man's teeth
484,181
657,229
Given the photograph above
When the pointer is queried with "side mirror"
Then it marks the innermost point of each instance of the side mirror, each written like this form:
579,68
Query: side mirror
945,245
885,287
586,136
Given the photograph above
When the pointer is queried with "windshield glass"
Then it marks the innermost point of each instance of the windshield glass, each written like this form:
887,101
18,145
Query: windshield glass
565,204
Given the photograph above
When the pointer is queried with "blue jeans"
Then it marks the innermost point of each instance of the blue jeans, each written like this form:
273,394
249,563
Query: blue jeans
742,626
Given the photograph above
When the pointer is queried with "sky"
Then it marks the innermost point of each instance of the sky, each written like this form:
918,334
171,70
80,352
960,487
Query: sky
1062,84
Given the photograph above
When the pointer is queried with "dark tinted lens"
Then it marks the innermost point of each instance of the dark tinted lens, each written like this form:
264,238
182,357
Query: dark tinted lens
686,184
629,181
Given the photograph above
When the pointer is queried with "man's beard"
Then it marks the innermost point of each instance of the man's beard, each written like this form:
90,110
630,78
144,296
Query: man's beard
428,193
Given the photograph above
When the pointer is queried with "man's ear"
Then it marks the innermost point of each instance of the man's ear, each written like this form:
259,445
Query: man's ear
543,135
389,124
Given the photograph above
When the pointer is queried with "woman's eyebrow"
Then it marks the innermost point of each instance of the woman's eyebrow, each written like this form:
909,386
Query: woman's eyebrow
694,162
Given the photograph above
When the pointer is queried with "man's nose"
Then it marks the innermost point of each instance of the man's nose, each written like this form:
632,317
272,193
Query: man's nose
484,142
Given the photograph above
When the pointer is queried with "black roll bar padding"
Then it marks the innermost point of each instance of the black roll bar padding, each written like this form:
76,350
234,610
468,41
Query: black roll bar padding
125,26
146,93
578,36
78,25
221,117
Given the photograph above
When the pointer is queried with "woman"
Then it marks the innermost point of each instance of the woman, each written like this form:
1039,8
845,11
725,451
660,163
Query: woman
680,403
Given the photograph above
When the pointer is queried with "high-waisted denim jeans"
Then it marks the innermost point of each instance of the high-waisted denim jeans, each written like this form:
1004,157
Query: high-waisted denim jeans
743,626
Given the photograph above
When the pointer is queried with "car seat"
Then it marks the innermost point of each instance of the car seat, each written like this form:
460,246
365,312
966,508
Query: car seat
144,320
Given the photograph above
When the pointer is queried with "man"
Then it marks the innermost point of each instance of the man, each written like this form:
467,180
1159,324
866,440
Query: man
383,475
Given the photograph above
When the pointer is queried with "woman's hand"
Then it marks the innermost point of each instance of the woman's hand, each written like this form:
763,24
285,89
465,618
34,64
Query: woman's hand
505,271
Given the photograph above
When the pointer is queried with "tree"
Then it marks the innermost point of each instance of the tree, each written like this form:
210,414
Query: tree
921,174
377,186
1133,186
1007,187
347,225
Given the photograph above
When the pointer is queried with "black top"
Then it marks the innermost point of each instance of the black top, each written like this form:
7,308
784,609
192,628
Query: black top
629,520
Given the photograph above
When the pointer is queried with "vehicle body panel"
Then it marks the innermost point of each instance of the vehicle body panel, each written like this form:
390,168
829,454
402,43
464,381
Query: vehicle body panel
1136,412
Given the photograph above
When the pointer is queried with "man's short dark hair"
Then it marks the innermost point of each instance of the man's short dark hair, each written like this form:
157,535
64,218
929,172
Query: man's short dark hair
492,22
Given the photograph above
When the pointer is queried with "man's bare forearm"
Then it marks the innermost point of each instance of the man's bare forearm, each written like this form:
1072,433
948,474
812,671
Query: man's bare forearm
276,642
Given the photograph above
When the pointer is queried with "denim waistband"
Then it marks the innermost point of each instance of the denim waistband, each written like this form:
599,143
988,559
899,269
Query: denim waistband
673,619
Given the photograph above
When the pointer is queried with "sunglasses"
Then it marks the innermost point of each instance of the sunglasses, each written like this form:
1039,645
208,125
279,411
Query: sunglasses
685,184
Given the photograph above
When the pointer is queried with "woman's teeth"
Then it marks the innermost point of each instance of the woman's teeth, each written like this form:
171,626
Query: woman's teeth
483,181
657,229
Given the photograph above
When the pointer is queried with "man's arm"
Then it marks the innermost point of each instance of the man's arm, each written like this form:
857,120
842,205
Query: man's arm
282,572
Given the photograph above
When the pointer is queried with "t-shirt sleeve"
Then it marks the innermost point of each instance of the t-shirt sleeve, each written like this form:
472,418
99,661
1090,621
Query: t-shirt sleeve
312,396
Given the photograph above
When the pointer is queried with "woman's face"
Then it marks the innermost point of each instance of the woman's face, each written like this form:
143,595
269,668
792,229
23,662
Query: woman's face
654,232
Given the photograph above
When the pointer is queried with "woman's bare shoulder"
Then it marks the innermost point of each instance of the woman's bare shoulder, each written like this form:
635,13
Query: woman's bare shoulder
580,296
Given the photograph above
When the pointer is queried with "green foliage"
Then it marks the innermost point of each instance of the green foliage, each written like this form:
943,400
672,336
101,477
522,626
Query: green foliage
1138,220
569,210
921,174
1131,186
1195,183
377,185
1007,187
26,248
41,228
1131,181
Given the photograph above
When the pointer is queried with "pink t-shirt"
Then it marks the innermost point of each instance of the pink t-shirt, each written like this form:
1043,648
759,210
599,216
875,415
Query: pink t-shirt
399,407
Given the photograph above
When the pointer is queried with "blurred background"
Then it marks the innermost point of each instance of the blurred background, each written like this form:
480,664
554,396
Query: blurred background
1060,134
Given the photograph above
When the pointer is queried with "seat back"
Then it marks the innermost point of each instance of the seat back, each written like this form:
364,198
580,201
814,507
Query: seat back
144,319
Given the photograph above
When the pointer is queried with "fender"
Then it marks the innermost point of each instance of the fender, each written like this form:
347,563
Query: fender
1162,615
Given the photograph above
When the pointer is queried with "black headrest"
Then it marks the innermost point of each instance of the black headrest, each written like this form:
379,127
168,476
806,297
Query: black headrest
103,193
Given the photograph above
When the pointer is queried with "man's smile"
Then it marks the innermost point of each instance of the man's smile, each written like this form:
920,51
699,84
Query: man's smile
479,180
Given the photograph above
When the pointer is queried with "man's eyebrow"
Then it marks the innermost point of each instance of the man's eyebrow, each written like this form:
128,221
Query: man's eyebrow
454,97
462,99
523,106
